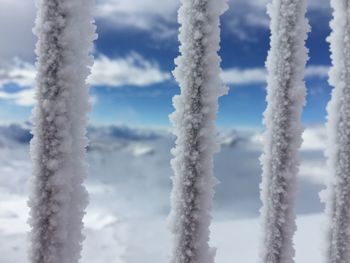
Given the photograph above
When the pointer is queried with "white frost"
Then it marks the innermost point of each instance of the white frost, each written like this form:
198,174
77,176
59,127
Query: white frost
286,97
65,31
197,72
338,128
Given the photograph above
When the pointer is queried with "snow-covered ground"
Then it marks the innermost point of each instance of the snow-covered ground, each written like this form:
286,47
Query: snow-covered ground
129,196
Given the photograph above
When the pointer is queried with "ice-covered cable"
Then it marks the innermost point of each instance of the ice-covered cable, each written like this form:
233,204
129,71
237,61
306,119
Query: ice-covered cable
197,72
285,98
65,32
338,126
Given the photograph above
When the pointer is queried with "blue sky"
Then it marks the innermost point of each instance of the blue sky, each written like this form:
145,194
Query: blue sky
132,83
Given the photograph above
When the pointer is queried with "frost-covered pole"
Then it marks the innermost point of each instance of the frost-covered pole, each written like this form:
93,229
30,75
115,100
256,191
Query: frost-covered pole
65,31
197,72
285,98
338,150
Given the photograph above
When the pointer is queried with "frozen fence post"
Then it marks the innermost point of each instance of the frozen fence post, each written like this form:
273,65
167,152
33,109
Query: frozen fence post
197,72
338,126
286,95
65,31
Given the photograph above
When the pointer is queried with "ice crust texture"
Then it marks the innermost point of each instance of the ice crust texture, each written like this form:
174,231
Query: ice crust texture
338,127
197,72
285,98
65,32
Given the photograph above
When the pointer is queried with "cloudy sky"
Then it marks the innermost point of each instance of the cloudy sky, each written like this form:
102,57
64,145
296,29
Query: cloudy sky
132,82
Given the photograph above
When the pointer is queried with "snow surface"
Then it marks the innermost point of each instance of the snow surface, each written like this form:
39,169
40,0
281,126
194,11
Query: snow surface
123,225
285,97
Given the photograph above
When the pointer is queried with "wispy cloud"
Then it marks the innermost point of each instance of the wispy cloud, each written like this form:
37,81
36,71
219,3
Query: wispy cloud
132,70
157,17
317,71
22,98
143,14
19,73
244,17
237,76
244,76
135,70
142,10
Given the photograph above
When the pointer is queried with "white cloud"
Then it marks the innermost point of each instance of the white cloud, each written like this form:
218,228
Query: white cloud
258,75
244,76
19,73
144,8
150,15
244,15
153,15
313,4
140,7
17,19
313,162
145,14
16,22
317,71
314,171
22,98
132,70
261,4
314,139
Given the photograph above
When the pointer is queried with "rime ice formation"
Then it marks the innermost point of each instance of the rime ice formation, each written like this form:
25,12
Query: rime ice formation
338,150
197,72
65,31
286,97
